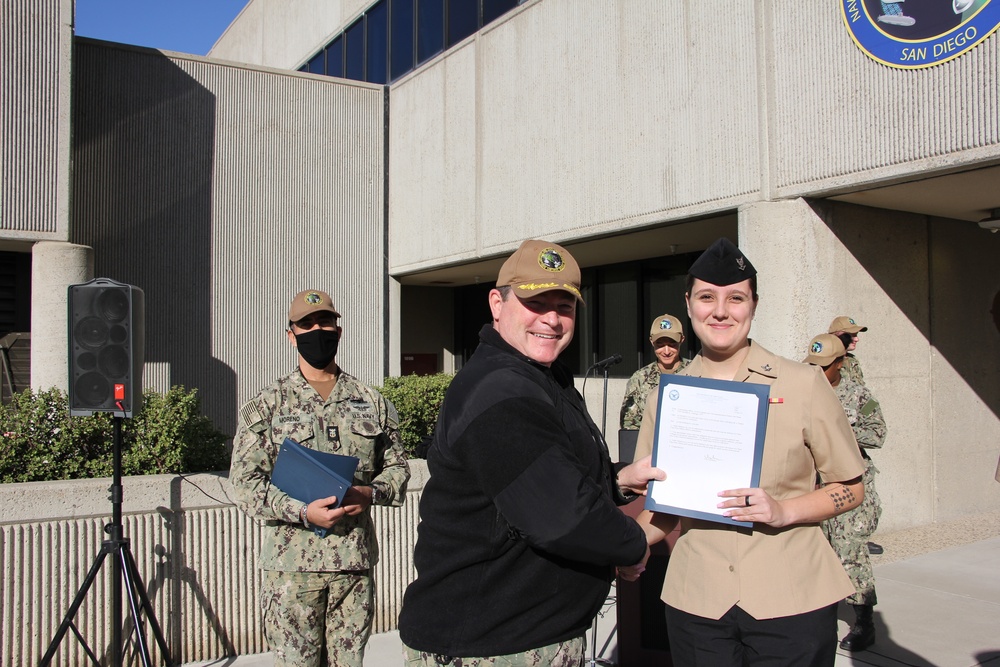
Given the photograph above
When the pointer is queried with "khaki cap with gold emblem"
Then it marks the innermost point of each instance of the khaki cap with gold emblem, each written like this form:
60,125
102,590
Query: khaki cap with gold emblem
308,302
541,266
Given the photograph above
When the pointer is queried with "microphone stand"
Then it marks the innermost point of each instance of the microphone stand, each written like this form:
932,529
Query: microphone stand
604,365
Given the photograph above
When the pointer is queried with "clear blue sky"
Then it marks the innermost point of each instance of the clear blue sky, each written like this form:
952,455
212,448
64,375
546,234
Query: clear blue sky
188,26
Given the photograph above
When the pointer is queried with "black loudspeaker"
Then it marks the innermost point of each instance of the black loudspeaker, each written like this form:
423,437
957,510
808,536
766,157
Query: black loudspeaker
105,348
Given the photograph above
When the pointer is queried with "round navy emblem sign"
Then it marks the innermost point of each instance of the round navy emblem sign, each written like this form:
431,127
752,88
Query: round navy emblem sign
919,33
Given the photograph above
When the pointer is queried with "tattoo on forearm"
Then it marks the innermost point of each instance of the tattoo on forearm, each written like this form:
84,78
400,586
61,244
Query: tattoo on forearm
841,496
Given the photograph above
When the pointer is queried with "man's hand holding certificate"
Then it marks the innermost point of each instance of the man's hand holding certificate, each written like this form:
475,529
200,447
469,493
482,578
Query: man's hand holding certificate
709,438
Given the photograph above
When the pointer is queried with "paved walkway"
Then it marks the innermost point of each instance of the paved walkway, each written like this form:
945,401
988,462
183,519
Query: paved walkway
939,603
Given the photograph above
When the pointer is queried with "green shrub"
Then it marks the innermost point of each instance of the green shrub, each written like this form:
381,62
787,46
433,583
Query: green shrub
417,399
39,441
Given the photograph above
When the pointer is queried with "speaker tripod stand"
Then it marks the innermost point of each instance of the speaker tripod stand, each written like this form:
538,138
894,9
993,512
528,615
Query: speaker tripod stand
124,569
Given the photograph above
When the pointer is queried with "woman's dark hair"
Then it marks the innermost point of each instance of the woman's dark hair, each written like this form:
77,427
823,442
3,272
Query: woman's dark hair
845,338
753,285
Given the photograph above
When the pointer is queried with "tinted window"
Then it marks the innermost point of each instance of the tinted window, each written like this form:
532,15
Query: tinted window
401,37
619,316
493,9
430,28
354,57
376,46
463,19
335,57
318,64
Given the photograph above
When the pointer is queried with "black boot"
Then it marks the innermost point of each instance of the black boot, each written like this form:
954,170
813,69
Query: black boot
862,635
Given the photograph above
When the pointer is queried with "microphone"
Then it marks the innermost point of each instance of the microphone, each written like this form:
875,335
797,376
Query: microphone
610,361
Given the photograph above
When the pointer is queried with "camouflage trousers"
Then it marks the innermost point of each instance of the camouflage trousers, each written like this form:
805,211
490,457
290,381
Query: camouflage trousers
849,533
564,654
312,619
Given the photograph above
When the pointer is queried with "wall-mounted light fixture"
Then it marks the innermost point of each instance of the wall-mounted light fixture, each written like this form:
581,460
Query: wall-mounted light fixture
991,223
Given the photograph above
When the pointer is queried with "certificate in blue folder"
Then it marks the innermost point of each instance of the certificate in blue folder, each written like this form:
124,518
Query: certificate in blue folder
307,474
709,437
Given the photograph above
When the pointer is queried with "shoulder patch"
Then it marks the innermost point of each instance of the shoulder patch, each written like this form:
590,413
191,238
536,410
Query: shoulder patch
869,407
393,416
251,417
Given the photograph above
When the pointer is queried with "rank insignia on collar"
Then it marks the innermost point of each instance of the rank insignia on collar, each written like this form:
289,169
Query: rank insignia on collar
766,367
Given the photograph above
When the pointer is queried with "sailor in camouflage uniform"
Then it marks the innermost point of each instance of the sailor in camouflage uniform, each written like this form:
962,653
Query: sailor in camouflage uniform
849,532
317,592
843,324
665,335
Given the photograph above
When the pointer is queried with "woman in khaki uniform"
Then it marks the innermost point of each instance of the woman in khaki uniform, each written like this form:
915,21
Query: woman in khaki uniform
765,595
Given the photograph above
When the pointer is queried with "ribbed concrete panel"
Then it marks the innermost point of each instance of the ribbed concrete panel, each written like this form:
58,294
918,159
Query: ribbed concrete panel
203,587
433,165
840,118
285,34
198,564
222,191
397,535
614,120
591,117
34,118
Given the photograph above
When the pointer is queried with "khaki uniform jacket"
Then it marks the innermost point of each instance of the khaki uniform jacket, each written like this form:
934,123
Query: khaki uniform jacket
769,572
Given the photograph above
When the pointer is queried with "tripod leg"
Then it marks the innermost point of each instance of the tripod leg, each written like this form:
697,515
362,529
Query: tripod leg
134,585
75,606
134,608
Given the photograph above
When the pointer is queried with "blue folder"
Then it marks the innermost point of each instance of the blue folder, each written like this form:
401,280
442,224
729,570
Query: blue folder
307,474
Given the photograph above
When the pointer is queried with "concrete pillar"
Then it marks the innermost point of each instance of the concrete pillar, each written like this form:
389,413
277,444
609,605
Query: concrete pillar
394,330
54,266
792,250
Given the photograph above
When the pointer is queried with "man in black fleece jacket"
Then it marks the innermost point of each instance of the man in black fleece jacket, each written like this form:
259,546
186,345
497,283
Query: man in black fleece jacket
520,530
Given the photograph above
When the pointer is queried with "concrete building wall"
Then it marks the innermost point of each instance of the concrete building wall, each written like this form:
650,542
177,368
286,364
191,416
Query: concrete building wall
836,119
277,33
924,287
569,120
965,364
35,128
222,191
572,120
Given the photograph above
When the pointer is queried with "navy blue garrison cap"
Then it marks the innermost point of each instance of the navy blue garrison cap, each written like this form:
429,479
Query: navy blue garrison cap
722,264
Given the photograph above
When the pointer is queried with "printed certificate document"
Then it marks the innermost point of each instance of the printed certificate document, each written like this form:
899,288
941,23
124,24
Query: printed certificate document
709,438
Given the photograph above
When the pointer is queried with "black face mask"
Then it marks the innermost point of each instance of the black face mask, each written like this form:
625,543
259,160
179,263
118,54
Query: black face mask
318,347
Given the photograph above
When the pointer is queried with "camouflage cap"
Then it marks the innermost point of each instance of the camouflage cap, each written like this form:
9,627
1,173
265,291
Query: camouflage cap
666,326
824,349
845,323
308,302
722,264
541,266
